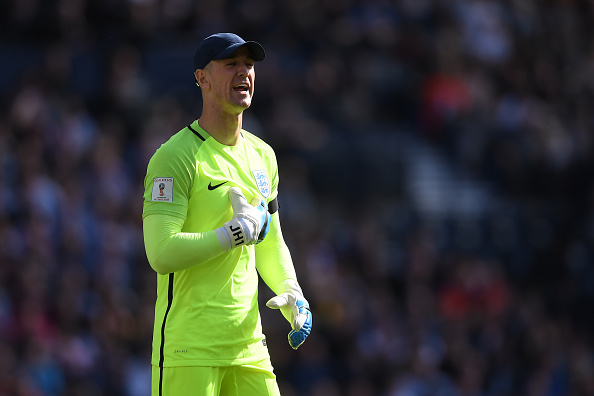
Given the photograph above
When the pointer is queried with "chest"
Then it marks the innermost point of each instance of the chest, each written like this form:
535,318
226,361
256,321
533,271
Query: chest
216,173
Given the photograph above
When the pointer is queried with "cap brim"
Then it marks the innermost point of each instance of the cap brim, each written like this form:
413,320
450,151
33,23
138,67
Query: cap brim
256,51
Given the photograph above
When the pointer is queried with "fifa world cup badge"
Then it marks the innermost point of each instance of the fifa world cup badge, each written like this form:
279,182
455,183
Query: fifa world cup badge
162,189
262,182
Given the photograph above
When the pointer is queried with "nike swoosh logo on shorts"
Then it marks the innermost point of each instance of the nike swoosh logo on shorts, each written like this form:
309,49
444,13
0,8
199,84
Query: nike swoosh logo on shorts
211,187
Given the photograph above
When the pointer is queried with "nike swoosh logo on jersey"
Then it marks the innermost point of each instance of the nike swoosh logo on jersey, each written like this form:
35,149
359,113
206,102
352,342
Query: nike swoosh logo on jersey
211,187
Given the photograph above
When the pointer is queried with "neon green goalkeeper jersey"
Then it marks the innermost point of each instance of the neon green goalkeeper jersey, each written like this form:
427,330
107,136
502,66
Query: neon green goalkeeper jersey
207,315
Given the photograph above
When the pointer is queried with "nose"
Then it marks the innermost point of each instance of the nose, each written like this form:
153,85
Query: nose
242,68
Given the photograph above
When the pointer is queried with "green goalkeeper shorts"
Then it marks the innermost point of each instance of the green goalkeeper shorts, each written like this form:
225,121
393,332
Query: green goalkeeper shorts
247,380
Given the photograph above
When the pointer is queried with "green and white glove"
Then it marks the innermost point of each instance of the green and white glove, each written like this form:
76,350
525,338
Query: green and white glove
249,224
295,309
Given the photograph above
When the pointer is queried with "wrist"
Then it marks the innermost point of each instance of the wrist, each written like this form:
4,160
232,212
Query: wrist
224,239
291,286
236,232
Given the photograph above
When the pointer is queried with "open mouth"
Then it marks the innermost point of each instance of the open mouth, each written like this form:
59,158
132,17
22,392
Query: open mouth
243,87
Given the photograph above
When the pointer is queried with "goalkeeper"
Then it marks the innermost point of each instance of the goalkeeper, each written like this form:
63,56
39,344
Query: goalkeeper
211,224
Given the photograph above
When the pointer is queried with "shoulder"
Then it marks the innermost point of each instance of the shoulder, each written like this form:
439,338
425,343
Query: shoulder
257,143
178,151
183,143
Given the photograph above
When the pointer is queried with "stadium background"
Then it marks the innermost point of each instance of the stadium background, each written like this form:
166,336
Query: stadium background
436,163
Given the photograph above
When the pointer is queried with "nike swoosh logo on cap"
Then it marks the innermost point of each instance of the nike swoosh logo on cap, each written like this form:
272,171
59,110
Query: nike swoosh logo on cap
211,187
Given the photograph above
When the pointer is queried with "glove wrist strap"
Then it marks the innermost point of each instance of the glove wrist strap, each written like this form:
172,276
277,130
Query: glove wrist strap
232,234
290,285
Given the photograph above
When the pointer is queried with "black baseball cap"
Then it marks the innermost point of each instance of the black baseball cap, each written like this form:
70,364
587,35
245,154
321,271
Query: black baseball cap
221,46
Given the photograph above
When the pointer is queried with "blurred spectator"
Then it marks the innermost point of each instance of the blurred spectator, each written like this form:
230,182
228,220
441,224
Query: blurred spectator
493,305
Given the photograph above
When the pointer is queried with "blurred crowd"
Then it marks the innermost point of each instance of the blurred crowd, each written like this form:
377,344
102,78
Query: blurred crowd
405,304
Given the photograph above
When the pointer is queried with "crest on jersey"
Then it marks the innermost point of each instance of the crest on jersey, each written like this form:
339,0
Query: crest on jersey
262,182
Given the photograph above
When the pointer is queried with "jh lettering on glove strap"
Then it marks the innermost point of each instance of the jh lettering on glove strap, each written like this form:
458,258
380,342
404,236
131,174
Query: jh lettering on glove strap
238,234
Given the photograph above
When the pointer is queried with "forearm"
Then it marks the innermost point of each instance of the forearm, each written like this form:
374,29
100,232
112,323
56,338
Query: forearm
275,266
273,259
170,250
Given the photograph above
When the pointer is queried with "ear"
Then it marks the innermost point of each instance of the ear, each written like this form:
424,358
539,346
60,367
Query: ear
201,78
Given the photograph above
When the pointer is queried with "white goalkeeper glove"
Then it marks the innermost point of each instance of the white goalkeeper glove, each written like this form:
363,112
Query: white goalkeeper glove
249,224
295,309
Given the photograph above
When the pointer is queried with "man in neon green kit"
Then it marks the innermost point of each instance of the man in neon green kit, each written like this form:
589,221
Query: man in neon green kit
210,223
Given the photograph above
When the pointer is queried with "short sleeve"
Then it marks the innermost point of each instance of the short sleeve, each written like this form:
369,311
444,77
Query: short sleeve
167,184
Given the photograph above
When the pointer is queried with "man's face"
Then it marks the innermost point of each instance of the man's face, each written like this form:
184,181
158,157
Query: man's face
231,81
